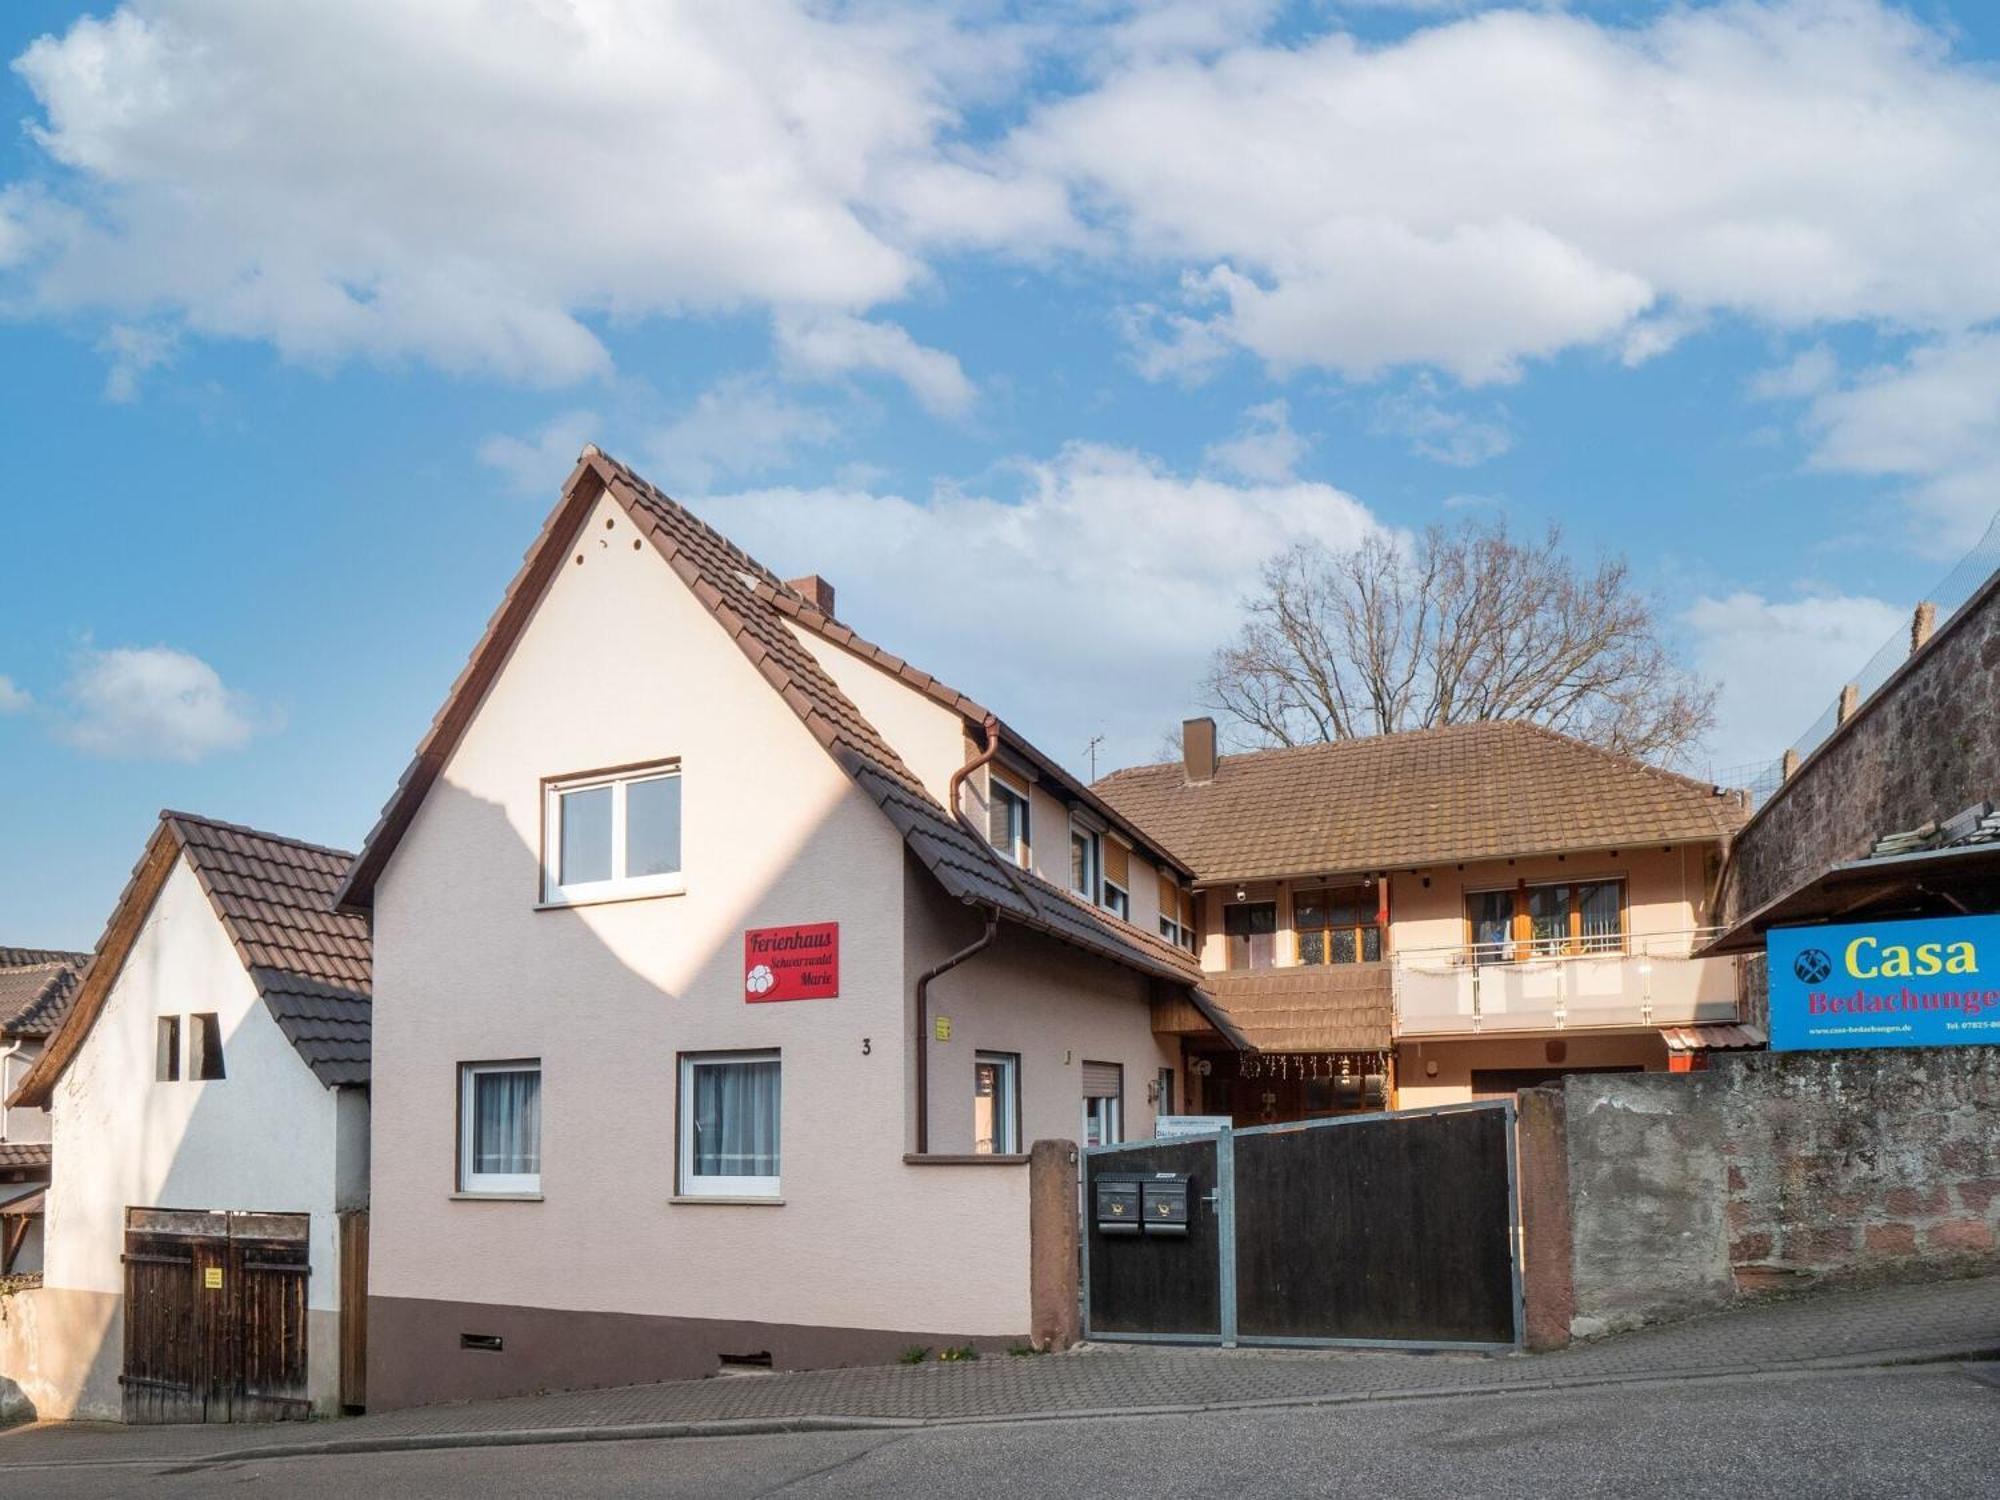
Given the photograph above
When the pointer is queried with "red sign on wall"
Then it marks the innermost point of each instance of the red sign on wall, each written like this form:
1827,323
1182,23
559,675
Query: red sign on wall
791,963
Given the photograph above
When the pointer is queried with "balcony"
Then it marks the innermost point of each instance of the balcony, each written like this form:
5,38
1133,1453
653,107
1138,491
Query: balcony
1649,980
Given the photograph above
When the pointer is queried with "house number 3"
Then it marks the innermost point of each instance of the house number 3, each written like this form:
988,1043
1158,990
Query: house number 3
867,1047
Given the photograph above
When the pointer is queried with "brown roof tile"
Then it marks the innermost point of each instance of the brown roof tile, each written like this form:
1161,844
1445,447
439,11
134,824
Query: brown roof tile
273,896
37,986
742,595
1471,791
1331,1008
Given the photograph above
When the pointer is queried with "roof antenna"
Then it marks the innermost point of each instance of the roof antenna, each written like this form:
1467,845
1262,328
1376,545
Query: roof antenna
1095,741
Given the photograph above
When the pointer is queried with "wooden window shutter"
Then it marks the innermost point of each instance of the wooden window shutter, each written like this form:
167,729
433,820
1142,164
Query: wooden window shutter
1118,864
1102,1080
1170,897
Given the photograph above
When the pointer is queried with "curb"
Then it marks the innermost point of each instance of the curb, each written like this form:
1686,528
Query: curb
767,1427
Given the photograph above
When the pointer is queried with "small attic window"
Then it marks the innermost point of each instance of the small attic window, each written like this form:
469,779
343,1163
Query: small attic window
205,1047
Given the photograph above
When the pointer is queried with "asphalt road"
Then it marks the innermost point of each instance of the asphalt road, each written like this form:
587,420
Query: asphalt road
1918,1431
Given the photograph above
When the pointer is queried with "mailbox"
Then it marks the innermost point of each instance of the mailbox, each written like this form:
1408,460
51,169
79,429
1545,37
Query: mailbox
1164,1205
1117,1205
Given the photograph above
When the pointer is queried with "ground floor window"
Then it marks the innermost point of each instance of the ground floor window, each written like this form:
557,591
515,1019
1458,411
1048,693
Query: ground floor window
1103,1104
500,1127
729,1123
996,1104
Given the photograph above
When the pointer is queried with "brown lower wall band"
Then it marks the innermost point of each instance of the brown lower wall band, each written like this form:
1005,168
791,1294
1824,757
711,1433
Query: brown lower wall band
416,1358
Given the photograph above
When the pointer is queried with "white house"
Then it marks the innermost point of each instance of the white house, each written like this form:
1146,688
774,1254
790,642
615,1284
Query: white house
726,966
207,1097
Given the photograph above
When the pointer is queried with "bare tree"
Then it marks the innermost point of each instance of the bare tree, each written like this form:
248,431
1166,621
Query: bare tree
1464,624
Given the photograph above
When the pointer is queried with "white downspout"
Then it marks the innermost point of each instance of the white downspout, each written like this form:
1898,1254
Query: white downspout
6,1084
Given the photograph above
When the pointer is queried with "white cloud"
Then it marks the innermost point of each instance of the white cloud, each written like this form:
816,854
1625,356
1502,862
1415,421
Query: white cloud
825,345
1114,575
1266,449
1806,373
154,703
1933,420
738,427
1779,665
13,698
1493,189
471,183
536,465
1436,431
133,351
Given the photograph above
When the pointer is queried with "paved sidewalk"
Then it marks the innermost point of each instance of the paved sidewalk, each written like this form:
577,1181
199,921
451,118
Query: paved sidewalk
1939,1321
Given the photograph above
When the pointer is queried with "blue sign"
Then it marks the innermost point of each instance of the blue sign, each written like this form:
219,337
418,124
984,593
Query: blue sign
1885,984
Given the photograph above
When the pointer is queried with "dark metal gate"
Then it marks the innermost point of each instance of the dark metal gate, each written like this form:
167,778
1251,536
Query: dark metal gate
215,1316
1388,1229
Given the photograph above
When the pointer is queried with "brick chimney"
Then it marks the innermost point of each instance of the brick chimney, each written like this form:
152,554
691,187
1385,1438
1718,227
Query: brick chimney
815,590
1198,749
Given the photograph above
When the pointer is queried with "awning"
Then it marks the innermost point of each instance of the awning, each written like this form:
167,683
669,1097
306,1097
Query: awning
28,1205
1931,883
1714,1038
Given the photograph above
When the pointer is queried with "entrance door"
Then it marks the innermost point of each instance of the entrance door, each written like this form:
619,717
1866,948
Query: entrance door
215,1316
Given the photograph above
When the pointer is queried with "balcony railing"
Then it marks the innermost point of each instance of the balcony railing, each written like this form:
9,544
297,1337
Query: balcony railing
1649,979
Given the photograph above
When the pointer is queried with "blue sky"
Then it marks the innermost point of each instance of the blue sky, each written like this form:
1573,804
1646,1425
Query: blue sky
1083,310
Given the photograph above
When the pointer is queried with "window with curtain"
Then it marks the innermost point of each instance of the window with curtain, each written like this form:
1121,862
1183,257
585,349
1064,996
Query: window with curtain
1337,926
730,1113
1548,920
613,835
996,1103
500,1127
1252,930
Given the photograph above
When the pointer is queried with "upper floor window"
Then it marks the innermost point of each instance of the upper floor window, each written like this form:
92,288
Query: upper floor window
613,834
1117,898
167,1049
1252,930
1339,926
1007,818
1086,861
1547,920
1176,913
205,1047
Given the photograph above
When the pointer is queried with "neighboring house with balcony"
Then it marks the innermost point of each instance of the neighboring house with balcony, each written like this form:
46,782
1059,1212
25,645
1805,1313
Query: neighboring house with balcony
725,968
37,986
1438,916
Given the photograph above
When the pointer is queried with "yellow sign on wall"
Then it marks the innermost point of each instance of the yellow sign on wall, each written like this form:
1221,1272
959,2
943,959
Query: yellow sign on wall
211,1278
941,1028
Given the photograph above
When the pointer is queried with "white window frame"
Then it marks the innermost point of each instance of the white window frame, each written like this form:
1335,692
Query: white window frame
692,1186
619,887
1114,1118
1122,907
471,1181
1095,840
1006,1102
996,788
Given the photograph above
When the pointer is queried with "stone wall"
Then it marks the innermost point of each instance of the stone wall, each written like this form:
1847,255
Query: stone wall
1686,1192
1924,745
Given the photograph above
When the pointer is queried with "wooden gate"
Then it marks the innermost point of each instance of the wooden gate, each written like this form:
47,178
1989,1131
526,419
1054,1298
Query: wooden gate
215,1316
1387,1229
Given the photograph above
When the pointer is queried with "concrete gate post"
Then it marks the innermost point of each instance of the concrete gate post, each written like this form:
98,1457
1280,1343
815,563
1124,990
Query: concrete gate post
1053,1291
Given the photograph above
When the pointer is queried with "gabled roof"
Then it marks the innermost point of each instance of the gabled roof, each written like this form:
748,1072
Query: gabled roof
36,988
743,597
797,606
274,898
1401,801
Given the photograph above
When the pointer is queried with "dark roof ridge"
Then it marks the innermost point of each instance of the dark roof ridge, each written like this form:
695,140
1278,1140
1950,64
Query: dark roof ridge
35,958
171,815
